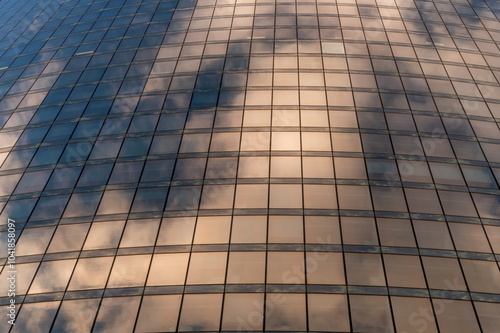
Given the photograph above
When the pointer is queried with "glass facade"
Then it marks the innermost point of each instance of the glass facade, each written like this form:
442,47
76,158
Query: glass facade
250,165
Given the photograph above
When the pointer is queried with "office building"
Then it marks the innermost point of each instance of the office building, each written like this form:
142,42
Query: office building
250,165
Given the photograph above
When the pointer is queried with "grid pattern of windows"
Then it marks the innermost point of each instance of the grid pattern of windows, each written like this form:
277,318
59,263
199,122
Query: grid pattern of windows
251,165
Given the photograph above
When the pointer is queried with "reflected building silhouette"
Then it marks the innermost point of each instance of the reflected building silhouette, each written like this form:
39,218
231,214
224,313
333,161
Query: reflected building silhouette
251,165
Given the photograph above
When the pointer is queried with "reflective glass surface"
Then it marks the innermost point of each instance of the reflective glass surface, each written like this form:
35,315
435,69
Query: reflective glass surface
250,165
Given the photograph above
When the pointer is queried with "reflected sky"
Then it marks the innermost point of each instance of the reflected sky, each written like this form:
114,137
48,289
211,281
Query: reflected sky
164,161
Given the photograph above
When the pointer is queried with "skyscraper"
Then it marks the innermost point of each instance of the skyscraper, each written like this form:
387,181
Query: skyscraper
250,165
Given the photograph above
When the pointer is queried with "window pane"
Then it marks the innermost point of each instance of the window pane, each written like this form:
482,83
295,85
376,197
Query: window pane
35,317
140,233
190,168
354,197
117,314
95,175
45,279
104,235
207,268
404,271
49,207
91,273
249,229
325,268
176,231
253,167
76,316
443,273
129,271
413,315
126,172
455,316
359,231
243,312
370,314
159,313
488,314
395,232
115,202
285,196
423,201
25,273
285,268
285,229
212,230
168,269
69,238
432,235
320,196
328,313
317,167
183,197
246,267
469,237
32,182
482,276
82,204
34,241
289,312
201,312
364,269
251,196
285,167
